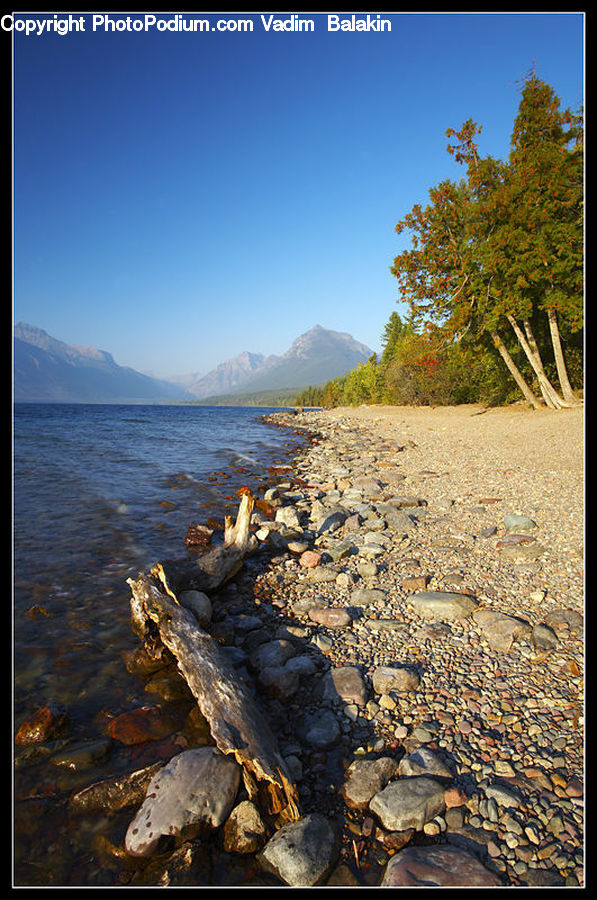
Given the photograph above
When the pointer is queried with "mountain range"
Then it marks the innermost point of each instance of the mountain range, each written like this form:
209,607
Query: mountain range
49,370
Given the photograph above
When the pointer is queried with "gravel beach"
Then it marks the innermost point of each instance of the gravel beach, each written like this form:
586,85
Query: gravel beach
410,621
441,579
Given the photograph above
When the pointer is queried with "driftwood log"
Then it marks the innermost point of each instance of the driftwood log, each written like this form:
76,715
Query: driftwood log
209,570
236,723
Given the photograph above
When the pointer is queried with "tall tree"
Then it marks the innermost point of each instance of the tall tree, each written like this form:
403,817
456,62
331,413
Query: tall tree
541,240
444,274
504,245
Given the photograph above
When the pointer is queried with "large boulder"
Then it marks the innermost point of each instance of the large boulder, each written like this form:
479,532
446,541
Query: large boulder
302,852
437,866
408,803
194,791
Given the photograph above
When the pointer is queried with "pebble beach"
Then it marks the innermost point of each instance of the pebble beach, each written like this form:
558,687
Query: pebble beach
410,621
424,508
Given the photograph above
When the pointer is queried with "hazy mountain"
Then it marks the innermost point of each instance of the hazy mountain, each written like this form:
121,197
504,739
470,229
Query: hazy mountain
48,370
315,357
228,376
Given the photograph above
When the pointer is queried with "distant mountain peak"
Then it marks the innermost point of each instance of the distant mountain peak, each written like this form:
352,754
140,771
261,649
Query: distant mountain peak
314,357
49,370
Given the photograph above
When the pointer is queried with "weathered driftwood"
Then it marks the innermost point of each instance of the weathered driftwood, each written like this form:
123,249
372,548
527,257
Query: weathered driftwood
237,725
209,570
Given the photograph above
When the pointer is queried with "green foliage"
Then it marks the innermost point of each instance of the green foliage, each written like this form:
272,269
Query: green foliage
502,246
417,368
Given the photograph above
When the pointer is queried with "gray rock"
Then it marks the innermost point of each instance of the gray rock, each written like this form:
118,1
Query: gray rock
380,625
279,681
500,630
302,852
504,795
302,665
516,522
366,596
321,729
199,604
195,789
543,637
345,683
273,653
365,778
408,803
424,761
394,678
288,516
397,519
332,520
442,605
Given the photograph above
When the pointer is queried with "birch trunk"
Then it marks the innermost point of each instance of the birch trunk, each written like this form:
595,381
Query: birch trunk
549,393
503,351
559,358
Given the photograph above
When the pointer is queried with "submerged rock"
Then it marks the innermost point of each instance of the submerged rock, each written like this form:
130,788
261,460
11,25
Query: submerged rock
46,724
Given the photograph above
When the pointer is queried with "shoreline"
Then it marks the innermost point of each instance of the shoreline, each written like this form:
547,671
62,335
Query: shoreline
505,706
366,691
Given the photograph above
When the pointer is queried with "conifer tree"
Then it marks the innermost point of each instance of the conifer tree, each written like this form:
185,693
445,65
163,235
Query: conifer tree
504,245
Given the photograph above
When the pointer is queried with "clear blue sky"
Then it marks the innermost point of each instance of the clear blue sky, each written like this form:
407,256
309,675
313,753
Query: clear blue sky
180,198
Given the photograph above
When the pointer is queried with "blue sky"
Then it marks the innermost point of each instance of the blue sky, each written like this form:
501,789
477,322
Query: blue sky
180,198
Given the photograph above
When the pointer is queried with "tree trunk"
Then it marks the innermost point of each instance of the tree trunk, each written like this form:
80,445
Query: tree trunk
503,351
558,403
549,393
559,357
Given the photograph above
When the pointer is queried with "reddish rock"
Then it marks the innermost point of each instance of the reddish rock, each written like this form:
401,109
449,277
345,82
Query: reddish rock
574,788
310,559
453,797
46,724
266,509
147,723
396,840
331,616
415,583
437,866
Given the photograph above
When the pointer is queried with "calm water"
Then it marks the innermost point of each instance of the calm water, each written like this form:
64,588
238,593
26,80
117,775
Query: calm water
100,493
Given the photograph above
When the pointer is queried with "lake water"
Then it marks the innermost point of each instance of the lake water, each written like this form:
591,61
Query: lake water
102,492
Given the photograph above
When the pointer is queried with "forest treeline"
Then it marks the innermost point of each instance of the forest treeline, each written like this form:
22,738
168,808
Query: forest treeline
493,277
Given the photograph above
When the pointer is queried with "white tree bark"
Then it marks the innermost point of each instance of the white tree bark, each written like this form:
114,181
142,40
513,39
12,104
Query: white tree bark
559,357
514,371
549,393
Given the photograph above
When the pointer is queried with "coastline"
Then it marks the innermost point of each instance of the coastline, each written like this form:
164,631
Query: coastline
365,690
503,704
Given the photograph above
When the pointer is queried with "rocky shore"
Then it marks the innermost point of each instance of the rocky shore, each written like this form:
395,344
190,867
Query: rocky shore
411,623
